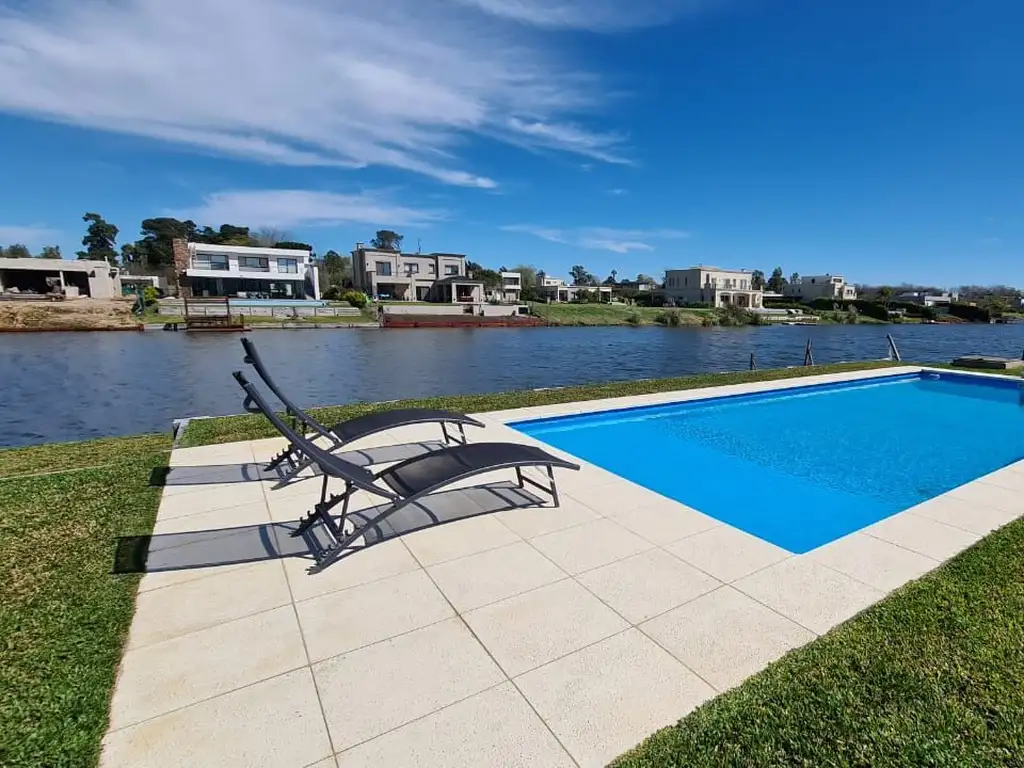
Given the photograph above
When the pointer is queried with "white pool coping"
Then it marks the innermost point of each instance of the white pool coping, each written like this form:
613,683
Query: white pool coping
527,637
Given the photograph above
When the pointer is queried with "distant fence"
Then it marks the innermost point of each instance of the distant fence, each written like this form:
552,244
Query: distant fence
177,308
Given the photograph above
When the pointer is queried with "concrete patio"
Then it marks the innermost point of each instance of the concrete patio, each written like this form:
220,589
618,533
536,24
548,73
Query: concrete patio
523,637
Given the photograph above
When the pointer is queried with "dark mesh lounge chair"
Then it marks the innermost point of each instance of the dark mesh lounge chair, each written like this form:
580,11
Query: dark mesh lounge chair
399,485
347,431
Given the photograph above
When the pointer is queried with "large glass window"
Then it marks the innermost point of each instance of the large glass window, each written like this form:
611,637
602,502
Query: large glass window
290,266
384,268
412,269
254,263
451,269
210,261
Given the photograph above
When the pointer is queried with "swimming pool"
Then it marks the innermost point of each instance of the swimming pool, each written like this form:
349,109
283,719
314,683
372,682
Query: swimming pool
801,467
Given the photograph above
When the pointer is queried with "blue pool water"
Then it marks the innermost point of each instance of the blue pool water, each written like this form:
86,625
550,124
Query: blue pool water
802,467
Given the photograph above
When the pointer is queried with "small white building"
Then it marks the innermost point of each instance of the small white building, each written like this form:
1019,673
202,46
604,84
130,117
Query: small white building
712,285
246,272
811,287
555,290
929,299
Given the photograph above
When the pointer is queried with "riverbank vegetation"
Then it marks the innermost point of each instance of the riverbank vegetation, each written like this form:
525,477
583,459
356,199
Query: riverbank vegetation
929,676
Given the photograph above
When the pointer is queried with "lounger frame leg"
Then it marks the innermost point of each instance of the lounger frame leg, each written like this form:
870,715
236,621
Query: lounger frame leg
550,489
449,438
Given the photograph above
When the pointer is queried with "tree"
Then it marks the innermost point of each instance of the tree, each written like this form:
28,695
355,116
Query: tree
642,278
100,238
885,295
528,279
154,249
776,281
293,245
18,251
50,252
611,279
794,278
269,237
757,280
387,240
337,269
129,255
580,276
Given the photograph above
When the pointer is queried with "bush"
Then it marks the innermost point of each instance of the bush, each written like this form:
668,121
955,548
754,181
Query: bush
969,313
669,317
355,299
732,315
149,295
928,313
633,318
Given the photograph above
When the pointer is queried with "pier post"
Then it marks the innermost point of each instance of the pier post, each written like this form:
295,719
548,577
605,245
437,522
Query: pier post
753,362
808,354
894,354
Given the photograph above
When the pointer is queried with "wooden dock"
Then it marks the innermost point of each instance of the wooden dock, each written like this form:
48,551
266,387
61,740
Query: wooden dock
206,322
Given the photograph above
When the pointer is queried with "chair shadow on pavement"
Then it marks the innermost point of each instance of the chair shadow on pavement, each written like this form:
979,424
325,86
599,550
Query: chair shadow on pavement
253,472
268,541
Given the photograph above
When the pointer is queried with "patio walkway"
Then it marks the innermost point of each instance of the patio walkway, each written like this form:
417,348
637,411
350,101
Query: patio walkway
525,637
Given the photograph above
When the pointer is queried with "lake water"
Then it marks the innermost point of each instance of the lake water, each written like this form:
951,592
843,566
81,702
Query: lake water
75,386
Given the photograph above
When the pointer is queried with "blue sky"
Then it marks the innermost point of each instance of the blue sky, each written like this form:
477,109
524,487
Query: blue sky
879,140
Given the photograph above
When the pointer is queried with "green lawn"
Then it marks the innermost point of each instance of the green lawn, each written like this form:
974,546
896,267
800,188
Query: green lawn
608,314
63,616
931,676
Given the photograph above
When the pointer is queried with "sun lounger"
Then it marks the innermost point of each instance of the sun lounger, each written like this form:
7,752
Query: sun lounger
399,485
340,435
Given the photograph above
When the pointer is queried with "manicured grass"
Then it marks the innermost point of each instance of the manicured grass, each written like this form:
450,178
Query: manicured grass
61,457
250,427
609,314
932,676
63,616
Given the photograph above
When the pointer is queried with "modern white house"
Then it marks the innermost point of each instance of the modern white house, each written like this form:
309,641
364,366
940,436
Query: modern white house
712,285
929,299
555,290
245,272
811,287
82,278
387,274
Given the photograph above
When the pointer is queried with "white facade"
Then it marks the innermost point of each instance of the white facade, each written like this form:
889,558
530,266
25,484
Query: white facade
244,272
555,290
83,278
929,299
811,287
711,285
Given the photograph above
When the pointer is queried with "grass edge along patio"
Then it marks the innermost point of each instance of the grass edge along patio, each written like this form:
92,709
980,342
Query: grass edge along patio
939,689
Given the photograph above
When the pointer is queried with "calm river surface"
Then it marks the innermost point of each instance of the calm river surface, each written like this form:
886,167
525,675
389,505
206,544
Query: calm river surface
75,386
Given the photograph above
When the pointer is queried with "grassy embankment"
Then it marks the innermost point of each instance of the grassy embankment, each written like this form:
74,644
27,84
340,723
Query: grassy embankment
611,314
928,677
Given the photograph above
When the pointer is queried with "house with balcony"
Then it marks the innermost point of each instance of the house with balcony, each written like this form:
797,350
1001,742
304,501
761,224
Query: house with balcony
392,275
555,290
245,272
712,285
811,287
510,290
927,299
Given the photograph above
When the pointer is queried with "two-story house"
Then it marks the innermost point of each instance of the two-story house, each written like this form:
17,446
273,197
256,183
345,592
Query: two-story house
711,285
387,274
245,272
510,290
811,287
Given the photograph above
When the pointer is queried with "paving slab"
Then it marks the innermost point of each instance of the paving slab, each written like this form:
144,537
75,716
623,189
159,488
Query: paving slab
604,699
372,690
727,553
873,561
590,545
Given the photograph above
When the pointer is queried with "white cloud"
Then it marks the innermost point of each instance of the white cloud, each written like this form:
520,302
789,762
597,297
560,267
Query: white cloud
31,235
298,207
596,15
990,242
617,191
601,238
398,83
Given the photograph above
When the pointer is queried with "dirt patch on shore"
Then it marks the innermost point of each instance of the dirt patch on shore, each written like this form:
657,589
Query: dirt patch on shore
73,314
